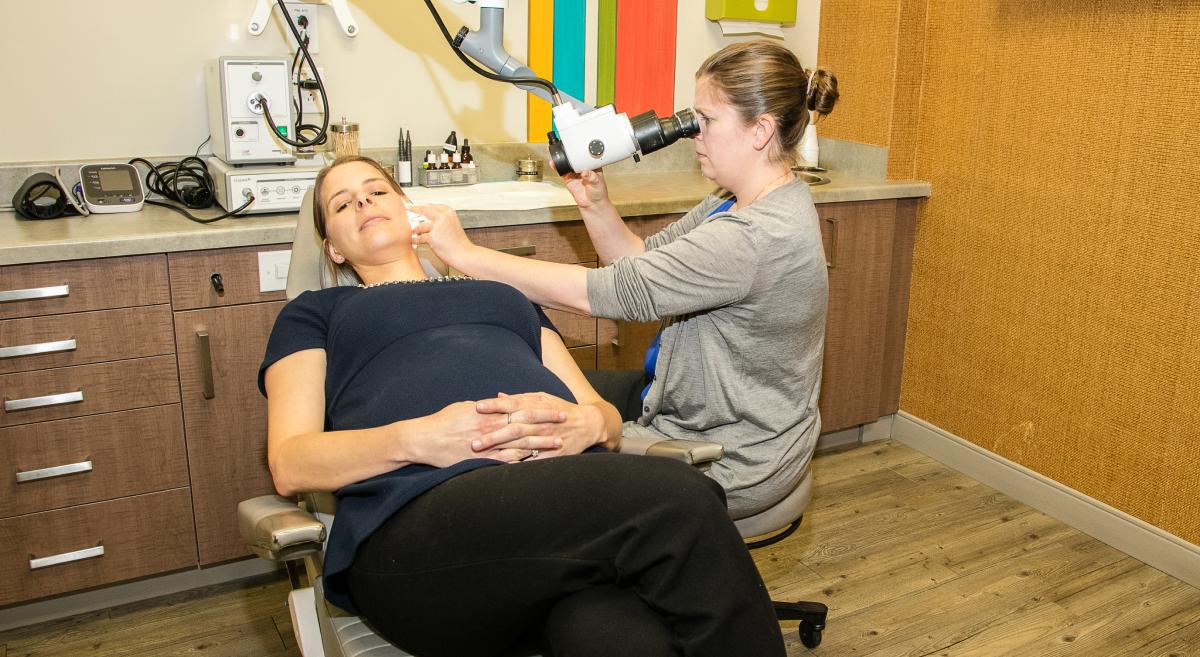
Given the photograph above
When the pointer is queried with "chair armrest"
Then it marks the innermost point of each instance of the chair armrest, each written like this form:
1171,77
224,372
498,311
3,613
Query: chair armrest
693,452
275,528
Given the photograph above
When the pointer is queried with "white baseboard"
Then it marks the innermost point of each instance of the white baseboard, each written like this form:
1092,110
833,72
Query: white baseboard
1137,538
111,596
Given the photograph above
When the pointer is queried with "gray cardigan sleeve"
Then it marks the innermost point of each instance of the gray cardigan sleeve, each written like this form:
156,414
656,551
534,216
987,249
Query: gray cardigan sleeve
708,266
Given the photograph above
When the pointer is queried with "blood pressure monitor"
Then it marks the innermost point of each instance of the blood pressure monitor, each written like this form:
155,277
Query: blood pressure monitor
111,188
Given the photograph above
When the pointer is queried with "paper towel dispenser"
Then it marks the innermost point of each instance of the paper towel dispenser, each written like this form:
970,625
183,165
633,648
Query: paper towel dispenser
768,11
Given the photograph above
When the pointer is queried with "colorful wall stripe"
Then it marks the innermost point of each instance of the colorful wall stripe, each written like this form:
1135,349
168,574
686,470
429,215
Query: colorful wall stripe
645,71
634,56
541,60
570,20
606,52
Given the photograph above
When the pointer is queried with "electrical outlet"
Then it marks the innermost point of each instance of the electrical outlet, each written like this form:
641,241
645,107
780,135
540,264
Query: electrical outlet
310,99
304,16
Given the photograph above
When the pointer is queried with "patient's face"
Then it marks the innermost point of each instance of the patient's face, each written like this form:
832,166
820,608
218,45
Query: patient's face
365,217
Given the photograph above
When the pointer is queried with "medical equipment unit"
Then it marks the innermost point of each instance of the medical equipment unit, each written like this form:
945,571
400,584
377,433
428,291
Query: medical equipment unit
273,188
236,88
109,188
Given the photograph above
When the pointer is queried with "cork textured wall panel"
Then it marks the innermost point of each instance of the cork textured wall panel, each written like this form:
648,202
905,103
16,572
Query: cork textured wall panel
858,43
1055,309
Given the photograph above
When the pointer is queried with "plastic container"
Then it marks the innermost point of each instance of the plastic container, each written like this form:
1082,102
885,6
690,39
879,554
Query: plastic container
445,177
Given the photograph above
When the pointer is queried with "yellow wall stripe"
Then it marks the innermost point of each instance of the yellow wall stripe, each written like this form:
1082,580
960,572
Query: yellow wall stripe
541,60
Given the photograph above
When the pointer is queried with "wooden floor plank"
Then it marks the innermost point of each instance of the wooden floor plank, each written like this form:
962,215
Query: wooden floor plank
913,558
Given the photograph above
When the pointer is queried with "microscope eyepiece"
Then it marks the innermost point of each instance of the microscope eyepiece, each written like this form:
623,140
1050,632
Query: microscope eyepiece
653,133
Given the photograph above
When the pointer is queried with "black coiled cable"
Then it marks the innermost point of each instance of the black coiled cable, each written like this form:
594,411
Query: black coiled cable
186,182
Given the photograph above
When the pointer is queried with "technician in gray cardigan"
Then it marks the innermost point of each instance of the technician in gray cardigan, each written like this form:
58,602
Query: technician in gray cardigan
739,282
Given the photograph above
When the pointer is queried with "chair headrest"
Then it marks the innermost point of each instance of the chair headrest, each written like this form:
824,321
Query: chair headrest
306,271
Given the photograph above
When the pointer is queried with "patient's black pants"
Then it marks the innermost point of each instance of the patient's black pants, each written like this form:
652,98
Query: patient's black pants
597,554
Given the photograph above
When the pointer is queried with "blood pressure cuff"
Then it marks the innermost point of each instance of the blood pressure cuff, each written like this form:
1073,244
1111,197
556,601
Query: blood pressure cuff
44,196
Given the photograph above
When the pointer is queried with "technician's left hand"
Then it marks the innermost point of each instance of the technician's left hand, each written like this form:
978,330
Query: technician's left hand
577,426
443,233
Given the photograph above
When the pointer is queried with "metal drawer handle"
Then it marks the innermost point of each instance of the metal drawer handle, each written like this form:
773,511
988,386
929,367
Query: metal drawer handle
39,348
833,229
35,293
66,557
56,471
39,402
523,250
205,363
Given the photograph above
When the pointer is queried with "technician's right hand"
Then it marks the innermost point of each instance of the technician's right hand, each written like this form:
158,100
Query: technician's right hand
588,189
443,233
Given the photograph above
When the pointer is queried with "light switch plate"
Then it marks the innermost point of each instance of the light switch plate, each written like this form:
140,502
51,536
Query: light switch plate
273,270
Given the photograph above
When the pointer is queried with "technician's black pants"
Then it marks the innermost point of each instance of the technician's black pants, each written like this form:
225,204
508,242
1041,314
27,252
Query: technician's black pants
598,554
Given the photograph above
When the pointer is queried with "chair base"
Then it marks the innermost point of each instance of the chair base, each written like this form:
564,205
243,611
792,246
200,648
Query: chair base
811,616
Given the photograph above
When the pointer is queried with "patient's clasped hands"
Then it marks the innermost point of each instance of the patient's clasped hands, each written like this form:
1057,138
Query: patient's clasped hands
572,427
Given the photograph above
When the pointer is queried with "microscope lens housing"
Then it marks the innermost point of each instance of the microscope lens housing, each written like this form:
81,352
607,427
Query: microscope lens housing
653,133
601,137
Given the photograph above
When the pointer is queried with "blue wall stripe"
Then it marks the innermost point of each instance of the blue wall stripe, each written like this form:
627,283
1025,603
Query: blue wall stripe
570,22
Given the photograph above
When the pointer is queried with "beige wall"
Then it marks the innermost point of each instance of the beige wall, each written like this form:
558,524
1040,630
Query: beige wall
120,78
1055,310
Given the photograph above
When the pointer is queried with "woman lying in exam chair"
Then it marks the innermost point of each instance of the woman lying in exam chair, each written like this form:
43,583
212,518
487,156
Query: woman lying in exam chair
386,393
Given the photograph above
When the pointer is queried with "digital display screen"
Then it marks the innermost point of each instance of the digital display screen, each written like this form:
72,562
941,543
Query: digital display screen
115,180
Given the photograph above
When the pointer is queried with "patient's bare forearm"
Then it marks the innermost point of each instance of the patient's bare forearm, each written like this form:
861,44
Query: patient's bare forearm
327,461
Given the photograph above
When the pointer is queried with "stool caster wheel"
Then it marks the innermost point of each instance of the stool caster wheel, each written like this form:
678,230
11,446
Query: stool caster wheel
811,616
809,636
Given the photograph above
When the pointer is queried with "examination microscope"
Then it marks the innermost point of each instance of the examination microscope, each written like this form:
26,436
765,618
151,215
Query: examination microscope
587,137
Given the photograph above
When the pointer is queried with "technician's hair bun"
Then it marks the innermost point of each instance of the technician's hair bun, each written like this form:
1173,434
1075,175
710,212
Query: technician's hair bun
822,91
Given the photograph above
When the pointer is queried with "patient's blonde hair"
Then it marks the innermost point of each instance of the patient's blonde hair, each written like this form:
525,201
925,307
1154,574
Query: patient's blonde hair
339,270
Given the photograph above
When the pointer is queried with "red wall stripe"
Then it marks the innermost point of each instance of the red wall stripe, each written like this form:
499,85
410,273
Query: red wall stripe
645,77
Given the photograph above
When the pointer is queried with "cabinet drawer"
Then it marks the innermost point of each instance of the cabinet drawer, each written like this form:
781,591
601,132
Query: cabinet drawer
576,330
192,277
565,241
95,544
80,338
101,457
585,357
88,389
67,287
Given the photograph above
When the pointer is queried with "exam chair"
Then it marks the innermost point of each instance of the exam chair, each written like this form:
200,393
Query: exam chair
294,532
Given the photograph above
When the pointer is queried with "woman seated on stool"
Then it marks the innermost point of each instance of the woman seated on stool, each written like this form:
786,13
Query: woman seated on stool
739,282
386,392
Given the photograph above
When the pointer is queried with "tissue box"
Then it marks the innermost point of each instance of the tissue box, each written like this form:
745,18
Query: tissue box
444,177
773,11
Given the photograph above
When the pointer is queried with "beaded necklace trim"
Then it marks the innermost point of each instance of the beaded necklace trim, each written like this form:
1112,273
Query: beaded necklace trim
439,279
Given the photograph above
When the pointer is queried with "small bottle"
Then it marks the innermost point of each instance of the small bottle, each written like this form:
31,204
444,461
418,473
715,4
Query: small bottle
451,145
456,161
428,164
468,160
444,162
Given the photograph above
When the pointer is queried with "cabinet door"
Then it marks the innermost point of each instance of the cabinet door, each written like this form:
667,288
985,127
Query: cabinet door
858,243
225,417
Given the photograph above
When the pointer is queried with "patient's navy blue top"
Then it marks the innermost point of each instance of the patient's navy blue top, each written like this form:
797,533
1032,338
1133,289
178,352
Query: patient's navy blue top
401,351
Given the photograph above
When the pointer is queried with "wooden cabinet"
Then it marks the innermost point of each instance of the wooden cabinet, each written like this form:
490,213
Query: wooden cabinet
91,440
225,420
868,246
565,242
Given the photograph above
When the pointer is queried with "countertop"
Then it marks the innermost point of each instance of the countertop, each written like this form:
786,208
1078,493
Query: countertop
158,230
